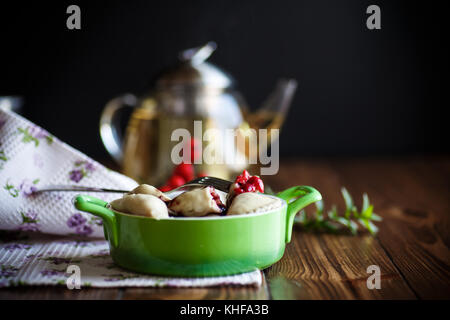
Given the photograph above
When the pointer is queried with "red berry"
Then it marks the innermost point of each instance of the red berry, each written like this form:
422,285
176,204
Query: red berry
257,182
195,149
247,183
195,152
249,188
175,181
238,190
185,170
193,142
165,188
242,179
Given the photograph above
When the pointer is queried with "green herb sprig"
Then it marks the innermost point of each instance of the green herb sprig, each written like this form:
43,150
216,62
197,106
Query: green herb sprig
332,222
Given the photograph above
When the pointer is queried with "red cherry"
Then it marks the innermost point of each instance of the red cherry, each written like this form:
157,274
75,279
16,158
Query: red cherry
193,142
249,188
165,188
185,170
247,183
175,181
246,174
193,145
195,152
257,182
242,179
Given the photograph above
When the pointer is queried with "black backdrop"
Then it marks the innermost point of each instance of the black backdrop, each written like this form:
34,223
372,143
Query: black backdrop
360,91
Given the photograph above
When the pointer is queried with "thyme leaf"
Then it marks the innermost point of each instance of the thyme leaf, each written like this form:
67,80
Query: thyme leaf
351,221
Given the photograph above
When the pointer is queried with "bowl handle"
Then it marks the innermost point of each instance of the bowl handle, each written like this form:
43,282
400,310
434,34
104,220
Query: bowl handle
304,196
98,208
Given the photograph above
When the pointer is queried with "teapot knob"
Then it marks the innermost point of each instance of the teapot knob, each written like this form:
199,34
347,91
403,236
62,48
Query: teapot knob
198,55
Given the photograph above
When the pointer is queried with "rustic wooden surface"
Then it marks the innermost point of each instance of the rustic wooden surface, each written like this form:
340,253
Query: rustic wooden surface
411,249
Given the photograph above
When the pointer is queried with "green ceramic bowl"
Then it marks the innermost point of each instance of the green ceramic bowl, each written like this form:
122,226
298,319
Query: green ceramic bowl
205,246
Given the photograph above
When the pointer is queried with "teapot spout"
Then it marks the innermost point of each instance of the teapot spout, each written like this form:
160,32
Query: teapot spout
280,99
274,109
270,116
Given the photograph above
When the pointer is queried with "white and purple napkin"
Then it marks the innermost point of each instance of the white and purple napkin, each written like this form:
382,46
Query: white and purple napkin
31,157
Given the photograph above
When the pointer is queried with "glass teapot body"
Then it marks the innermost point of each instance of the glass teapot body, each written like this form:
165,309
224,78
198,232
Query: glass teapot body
168,119
193,101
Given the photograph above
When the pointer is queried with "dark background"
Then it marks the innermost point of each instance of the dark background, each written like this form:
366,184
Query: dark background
361,92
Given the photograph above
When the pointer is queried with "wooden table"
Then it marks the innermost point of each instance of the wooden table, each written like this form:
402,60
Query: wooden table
411,249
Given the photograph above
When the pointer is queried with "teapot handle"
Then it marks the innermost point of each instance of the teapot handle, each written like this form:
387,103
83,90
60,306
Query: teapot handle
109,133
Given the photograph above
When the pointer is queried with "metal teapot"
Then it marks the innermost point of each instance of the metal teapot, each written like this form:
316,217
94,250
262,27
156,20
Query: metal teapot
194,90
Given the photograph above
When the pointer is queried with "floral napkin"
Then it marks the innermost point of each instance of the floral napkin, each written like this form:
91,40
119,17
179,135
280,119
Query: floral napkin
45,260
30,157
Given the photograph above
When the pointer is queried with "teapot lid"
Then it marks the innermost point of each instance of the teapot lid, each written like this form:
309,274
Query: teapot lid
193,70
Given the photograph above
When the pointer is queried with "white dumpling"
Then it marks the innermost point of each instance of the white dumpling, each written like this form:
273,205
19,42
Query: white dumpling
197,203
142,205
251,202
151,190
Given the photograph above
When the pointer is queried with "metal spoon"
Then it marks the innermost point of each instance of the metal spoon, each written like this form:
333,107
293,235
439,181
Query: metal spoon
219,184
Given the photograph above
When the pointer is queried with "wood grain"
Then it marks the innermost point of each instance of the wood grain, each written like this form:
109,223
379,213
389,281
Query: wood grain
413,197
330,267
322,266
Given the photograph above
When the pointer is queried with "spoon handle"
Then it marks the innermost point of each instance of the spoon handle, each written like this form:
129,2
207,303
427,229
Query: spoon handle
217,183
77,188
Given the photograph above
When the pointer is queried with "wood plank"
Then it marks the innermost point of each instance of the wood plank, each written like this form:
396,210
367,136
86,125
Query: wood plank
322,266
413,197
334,267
